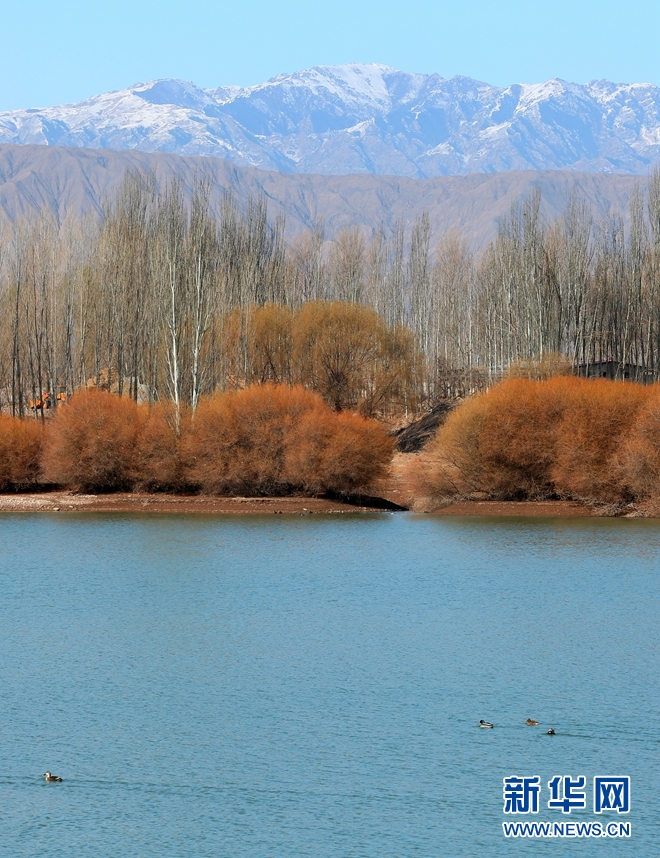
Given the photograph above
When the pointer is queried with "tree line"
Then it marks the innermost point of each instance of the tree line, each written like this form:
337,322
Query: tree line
164,298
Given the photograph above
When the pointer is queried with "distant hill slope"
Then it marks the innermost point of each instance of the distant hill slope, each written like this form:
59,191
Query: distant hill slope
367,119
71,181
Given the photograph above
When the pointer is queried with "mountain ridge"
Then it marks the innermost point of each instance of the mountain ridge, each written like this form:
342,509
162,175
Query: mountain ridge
367,118
73,182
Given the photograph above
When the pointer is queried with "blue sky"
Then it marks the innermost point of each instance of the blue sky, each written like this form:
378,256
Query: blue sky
55,52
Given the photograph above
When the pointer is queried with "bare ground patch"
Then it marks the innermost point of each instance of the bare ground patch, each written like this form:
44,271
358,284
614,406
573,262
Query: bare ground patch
164,503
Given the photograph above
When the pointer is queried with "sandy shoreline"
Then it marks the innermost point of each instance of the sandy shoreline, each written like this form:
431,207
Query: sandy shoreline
64,501
534,509
165,503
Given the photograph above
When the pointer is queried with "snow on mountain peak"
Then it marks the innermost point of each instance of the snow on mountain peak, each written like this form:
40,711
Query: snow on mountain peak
533,93
361,82
365,80
181,93
366,117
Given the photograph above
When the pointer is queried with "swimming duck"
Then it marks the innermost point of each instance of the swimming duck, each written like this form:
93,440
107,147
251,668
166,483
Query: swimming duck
486,724
531,722
52,778
551,732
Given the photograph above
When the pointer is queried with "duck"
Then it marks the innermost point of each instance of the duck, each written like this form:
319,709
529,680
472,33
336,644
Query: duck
550,732
531,722
50,778
486,724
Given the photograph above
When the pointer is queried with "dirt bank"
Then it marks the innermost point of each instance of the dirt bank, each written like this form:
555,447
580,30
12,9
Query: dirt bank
162,503
536,509
399,487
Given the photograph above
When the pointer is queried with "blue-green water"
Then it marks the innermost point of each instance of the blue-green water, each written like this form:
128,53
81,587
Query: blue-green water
286,686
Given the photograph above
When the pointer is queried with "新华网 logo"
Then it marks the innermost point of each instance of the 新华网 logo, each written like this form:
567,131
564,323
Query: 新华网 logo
522,795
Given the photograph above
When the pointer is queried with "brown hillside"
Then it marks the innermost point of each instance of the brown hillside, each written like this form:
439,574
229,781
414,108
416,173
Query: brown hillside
71,181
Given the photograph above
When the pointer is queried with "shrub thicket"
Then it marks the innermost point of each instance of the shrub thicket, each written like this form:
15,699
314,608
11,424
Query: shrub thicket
91,442
501,442
20,453
567,437
330,452
343,351
638,458
353,359
266,439
157,463
238,441
273,439
590,435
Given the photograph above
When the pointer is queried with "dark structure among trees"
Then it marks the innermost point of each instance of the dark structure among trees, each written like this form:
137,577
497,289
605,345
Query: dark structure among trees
615,371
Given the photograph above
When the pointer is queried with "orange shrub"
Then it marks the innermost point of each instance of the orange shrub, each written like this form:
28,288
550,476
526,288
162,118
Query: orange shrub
529,439
518,439
452,462
330,452
637,462
90,444
273,439
237,440
600,418
20,451
501,442
157,464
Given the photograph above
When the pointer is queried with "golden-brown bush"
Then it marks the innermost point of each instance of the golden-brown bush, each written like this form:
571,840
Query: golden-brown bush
157,463
347,353
237,440
273,439
590,434
453,461
530,439
90,443
639,456
518,440
20,452
501,442
330,452
258,344
343,351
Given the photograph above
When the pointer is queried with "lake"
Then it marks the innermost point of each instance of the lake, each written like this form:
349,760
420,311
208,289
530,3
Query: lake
256,686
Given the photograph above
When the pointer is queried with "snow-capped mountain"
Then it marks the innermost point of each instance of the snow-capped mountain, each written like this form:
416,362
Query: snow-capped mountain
367,119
